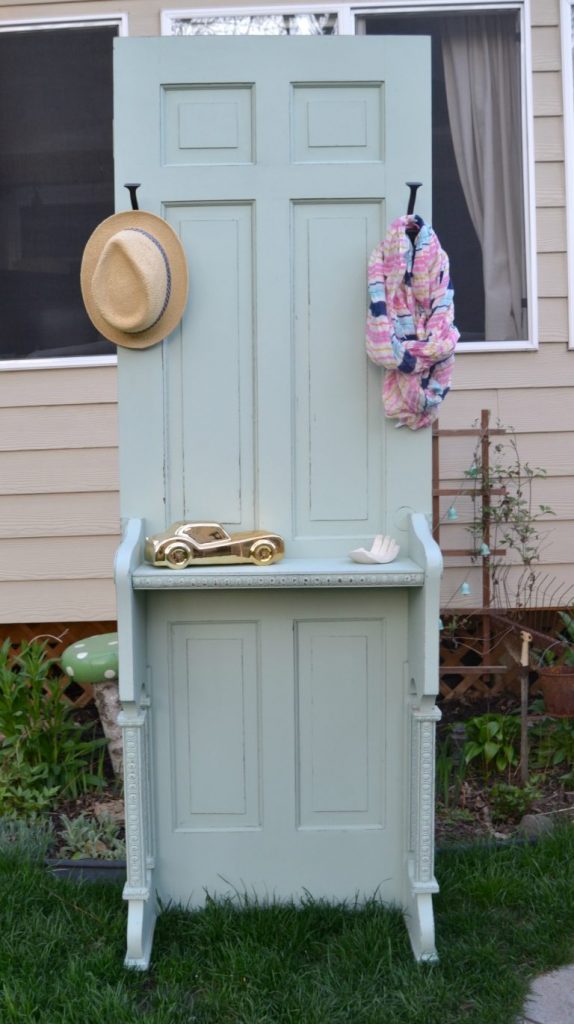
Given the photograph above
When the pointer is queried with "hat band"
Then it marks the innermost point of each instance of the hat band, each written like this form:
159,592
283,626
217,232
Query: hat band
167,270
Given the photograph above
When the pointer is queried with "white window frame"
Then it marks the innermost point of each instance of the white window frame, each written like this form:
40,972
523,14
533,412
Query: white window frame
120,21
348,15
522,7
344,19
566,9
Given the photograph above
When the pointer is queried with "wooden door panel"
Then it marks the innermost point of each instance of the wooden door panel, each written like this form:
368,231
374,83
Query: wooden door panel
337,443
278,723
279,162
212,405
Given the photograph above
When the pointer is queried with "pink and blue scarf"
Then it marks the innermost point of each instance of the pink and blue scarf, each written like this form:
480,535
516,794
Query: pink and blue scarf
410,328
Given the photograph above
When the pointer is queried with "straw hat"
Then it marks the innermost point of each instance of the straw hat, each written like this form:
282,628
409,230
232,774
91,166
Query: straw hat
134,279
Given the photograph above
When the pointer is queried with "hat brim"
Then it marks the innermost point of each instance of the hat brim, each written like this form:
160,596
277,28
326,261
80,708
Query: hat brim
170,242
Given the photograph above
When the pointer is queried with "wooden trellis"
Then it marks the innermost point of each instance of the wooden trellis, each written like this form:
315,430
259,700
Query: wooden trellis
456,676
465,671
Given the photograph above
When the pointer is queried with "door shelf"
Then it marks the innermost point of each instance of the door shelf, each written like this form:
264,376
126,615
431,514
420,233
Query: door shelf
288,574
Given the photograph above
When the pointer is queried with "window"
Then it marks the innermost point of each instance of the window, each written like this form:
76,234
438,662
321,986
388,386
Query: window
56,183
477,200
252,22
481,146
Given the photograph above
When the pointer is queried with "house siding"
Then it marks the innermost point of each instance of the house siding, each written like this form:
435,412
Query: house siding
59,502
59,519
533,392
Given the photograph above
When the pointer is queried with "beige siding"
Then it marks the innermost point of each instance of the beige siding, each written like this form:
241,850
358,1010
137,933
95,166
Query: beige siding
553,319
58,515
550,187
555,458
73,426
550,230
545,48
530,391
39,472
545,12
49,388
551,364
549,138
547,93
552,274
59,518
52,558
72,600
58,459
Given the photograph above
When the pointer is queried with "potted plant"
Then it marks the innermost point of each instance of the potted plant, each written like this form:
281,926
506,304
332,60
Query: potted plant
555,667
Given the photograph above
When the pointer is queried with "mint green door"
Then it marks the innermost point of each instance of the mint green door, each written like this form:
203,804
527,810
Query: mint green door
279,757
279,162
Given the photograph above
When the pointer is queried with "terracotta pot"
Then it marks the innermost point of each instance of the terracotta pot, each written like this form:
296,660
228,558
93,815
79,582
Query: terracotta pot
557,685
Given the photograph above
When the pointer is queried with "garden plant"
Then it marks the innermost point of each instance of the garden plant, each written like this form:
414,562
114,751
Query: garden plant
511,519
49,762
480,792
45,753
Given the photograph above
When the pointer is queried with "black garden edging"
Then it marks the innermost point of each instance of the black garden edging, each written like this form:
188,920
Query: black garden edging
88,869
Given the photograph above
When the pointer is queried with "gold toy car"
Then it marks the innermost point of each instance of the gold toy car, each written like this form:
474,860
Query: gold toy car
209,544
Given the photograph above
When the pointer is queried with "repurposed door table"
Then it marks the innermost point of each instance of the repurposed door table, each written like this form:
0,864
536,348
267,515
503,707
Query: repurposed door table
278,721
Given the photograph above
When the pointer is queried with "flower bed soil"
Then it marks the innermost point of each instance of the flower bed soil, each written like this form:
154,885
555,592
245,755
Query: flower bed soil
470,816
471,819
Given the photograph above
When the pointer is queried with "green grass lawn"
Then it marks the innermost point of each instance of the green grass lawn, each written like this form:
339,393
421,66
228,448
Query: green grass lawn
503,916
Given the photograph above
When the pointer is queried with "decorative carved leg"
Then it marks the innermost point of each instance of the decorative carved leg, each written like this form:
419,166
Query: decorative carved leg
141,923
138,891
421,881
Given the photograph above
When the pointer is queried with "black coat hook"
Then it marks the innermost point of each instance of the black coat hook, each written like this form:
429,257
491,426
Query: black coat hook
413,185
132,189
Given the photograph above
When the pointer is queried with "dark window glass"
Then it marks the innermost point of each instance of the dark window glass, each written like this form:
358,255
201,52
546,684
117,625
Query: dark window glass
56,185
451,217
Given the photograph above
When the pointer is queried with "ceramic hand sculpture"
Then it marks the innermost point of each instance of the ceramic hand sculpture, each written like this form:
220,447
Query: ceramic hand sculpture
383,549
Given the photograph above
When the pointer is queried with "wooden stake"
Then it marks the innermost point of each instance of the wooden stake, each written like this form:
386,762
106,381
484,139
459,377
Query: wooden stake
524,673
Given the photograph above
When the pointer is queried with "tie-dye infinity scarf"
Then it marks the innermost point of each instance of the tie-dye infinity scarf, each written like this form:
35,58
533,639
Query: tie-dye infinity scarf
410,329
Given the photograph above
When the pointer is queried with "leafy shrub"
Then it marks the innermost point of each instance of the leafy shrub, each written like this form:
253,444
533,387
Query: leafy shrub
495,740
23,787
510,803
556,653
85,836
555,743
44,752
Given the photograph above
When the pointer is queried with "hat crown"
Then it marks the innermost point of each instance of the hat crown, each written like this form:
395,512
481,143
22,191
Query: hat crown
131,281
134,278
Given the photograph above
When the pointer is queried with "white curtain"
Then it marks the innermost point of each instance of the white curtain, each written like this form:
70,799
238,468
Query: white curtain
482,77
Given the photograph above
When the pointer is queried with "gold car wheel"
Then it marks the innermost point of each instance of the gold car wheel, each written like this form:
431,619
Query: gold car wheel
177,556
263,553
